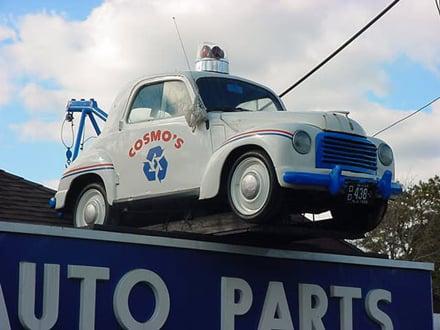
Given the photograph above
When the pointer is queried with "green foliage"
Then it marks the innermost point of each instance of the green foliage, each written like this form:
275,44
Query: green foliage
411,227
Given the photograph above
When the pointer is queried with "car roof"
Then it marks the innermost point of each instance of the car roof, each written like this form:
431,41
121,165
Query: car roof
194,75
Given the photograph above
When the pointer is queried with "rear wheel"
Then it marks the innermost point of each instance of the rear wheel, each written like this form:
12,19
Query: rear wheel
360,219
91,207
253,191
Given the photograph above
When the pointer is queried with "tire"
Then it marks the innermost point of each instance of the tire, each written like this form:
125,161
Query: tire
252,188
359,219
91,207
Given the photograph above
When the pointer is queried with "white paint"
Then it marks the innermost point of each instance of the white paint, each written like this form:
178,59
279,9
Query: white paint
4,318
347,294
122,293
231,286
275,313
88,276
374,313
313,303
26,296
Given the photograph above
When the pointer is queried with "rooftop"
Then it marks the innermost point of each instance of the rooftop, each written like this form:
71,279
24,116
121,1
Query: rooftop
23,200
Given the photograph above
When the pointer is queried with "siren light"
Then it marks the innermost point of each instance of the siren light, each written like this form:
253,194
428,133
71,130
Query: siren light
211,57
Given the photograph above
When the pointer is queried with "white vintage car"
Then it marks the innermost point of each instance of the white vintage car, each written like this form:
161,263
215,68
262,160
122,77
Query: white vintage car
209,135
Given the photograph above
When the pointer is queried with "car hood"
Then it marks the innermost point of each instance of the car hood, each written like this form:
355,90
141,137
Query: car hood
331,121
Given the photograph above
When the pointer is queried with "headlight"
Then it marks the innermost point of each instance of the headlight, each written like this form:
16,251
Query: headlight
302,142
385,154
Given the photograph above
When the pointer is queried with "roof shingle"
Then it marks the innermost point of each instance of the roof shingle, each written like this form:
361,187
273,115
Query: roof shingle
23,200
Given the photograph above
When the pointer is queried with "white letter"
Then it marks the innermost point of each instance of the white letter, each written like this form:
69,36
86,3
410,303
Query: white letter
313,305
88,275
161,295
4,318
347,294
373,311
230,308
275,314
26,296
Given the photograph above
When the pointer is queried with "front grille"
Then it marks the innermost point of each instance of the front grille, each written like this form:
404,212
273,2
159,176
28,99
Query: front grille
352,153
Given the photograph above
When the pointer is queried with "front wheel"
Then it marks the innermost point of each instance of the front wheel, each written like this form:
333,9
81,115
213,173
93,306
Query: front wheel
253,190
360,219
91,207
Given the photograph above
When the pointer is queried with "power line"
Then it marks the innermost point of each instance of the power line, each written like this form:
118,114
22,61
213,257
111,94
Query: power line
406,117
345,44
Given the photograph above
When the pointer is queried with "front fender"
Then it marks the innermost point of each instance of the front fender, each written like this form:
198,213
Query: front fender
98,163
211,179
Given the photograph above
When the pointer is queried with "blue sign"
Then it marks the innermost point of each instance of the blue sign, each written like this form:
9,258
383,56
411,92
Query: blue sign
65,278
155,168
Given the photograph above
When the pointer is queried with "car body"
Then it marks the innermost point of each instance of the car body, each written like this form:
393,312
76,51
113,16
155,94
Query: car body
181,134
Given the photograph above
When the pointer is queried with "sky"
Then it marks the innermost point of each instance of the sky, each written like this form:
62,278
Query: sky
52,51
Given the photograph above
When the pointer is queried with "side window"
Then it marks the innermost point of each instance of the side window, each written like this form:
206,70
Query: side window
147,104
162,100
176,99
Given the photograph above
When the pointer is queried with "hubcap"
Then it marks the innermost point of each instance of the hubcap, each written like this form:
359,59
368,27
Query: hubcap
91,209
250,186
90,213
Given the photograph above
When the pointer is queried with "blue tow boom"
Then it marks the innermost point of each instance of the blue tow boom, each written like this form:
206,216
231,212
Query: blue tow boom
87,108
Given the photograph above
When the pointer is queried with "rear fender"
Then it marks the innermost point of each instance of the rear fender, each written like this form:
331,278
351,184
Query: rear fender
86,169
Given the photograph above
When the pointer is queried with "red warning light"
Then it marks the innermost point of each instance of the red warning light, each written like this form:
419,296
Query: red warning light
211,57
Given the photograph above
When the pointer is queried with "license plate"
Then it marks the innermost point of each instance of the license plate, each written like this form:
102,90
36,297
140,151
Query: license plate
358,193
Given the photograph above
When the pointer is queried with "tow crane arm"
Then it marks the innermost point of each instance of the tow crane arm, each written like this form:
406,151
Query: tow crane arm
87,108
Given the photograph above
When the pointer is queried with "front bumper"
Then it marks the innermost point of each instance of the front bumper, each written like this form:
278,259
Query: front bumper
334,181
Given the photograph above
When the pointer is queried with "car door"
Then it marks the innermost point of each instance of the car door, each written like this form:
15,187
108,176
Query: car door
158,153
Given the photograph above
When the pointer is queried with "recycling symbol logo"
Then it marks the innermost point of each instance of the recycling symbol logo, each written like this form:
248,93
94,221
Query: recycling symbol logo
155,168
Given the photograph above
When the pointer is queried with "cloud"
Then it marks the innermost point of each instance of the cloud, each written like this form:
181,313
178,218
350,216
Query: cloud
6,33
52,184
415,142
37,130
41,100
273,42
121,40
6,87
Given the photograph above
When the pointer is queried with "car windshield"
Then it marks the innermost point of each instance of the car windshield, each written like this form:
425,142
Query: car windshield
224,94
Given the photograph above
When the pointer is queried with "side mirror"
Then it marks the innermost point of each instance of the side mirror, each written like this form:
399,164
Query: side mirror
196,114
138,115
